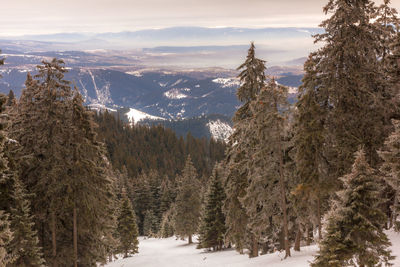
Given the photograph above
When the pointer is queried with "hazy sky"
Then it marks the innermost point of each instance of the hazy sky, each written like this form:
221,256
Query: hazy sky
51,16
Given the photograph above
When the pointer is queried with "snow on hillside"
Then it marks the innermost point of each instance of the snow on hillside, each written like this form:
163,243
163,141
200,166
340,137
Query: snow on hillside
176,93
220,130
137,115
170,252
227,82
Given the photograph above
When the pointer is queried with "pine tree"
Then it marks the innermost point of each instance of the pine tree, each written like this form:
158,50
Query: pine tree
64,166
11,99
5,233
391,167
359,106
213,221
387,26
188,202
5,239
167,223
90,182
354,226
127,229
313,185
25,243
266,165
252,79
150,224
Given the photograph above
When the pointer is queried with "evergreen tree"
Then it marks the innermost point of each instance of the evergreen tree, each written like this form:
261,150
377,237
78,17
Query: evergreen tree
252,79
188,202
313,184
127,229
359,106
387,25
391,167
64,166
5,239
167,223
5,233
266,165
25,243
90,182
150,224
354,226
213,221
11,99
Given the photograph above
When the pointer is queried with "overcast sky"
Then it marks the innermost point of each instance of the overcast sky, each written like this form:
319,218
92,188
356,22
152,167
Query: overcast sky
20,17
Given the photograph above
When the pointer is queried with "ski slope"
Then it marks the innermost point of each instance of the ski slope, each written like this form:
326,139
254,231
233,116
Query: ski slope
170,252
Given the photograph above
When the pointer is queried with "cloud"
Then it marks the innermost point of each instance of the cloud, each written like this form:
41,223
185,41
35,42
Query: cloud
49,16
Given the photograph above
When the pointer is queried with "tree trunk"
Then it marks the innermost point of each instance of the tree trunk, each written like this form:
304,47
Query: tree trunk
283,191
53,237
308,240
75,239
298,239
319,217
190,239
254,247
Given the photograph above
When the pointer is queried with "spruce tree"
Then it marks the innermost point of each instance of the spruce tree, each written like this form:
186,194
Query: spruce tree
359,106
266,165
127,229
213,221
354,233
252,78
188,202
313,184
150,224
64,166
167,223
90,182
391,167
25,243
5,239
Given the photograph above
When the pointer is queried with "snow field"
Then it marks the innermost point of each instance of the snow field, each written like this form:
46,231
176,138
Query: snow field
171,252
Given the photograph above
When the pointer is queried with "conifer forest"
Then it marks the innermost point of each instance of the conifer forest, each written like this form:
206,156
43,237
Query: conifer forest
85,188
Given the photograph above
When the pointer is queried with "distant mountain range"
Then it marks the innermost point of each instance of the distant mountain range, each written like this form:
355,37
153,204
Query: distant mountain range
179,46
182,75
165,95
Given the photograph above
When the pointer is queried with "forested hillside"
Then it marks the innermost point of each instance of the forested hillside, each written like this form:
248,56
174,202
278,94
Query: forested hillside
78,188
141,148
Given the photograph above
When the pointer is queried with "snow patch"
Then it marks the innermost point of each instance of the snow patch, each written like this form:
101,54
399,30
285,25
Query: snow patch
177,82
220,130
135,116
227,82
175,93
135,73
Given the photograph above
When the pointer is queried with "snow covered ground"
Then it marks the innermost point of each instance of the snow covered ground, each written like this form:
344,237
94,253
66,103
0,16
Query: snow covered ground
177,253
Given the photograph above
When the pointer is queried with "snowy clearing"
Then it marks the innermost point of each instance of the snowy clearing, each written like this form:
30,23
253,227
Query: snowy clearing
170,252
137,115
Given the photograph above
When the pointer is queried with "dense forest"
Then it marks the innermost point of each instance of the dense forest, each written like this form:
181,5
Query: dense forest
78,188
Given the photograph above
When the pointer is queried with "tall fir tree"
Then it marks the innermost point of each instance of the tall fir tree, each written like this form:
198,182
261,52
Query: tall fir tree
358,108
127,229
5,238
354,233
64,166
188,202
391,168
313,184
266,164
213,220
150,224
25,243
252,79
